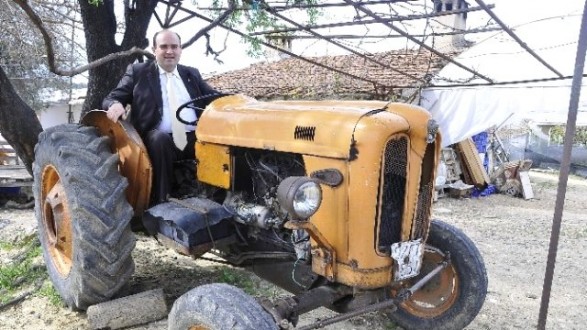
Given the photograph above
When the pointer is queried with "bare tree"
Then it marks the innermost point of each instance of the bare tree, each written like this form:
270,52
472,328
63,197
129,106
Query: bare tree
100,27
23,75
107,59
22,51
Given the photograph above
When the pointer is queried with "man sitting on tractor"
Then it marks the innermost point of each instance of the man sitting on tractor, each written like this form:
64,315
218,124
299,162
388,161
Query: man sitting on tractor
155,90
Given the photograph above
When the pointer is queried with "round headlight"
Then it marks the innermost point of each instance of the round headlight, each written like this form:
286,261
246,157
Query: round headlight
300,196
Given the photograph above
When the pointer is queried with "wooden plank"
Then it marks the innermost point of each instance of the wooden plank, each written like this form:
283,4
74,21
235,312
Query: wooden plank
7,154
14,176
527,191
472,162
16,173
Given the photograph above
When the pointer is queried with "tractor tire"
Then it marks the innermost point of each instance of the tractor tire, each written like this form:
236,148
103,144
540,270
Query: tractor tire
83,215
453,298
218,306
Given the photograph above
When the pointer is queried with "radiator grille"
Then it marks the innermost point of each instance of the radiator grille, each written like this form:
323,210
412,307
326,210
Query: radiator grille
422,215
393,193
305,133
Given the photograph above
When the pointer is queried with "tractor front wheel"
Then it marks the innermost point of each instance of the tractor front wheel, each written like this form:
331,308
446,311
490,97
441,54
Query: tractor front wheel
452,298
218,306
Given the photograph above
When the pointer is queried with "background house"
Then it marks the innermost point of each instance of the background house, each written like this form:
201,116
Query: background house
293,78
60,109
383,75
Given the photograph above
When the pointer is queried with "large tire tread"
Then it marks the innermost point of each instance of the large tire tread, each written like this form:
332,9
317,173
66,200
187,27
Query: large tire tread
100,215
219,306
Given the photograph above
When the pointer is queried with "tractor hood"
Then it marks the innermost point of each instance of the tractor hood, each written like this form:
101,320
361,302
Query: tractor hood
323,128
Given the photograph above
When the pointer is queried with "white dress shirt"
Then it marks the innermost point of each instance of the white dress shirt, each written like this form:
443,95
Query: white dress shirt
182,97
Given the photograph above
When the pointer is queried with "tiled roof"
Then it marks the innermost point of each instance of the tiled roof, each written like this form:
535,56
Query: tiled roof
297,79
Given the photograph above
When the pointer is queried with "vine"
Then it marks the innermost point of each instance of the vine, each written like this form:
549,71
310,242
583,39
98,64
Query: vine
255,16
557,135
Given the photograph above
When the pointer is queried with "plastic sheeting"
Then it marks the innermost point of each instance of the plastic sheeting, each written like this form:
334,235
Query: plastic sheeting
465,111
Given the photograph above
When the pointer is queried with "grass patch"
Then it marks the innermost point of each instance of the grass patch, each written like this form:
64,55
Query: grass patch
48,291
237,278
575,233
7,246
248,282
20,271
20,244
545,184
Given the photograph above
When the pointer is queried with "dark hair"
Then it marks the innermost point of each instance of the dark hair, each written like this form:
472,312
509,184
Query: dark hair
157,33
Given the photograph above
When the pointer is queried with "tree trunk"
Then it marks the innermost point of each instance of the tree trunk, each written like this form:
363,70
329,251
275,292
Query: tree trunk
18,122
100,31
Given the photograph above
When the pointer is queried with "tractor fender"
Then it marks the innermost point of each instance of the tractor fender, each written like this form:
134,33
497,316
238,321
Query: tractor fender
134,162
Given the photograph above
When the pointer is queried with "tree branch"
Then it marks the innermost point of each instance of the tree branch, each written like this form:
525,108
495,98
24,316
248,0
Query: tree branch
105,59
22,296
219,20
38,22
210,50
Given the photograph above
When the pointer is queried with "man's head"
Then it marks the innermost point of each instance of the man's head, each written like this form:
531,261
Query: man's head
167,49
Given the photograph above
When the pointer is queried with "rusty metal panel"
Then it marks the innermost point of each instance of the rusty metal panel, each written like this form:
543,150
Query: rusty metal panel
214,164
134,165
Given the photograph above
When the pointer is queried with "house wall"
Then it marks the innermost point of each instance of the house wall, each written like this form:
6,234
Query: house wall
57,113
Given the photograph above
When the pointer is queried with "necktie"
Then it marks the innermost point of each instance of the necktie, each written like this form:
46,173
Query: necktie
177,128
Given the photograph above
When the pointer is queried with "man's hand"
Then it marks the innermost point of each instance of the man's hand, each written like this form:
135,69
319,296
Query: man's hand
115,111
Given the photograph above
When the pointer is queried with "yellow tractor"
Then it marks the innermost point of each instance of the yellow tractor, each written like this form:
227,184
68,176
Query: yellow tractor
330,200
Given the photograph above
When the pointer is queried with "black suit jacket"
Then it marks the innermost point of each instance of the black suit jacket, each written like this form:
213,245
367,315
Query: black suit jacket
141,88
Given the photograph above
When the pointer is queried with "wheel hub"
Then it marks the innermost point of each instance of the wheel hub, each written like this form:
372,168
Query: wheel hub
438,294
56,221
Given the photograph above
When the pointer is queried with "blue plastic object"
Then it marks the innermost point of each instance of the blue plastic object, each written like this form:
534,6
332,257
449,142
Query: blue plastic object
490,189
481,141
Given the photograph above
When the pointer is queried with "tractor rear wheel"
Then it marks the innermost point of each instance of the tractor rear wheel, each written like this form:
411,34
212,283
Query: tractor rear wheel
82,213
218,306
453,298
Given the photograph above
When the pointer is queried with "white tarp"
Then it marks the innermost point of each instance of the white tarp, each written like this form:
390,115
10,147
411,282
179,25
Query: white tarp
464,111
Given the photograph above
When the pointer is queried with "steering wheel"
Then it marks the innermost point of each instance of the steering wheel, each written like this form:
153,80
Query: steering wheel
191,104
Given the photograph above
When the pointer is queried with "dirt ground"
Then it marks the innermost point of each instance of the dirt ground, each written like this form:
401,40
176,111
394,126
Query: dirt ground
511,233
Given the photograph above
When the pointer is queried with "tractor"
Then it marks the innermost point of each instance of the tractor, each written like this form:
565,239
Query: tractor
330,200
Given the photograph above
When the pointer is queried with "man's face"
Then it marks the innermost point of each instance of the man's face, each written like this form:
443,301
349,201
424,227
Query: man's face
167,50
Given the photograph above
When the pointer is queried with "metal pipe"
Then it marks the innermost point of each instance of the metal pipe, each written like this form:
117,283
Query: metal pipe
428,277
345,316
266,44
270,10
371,21
564,170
